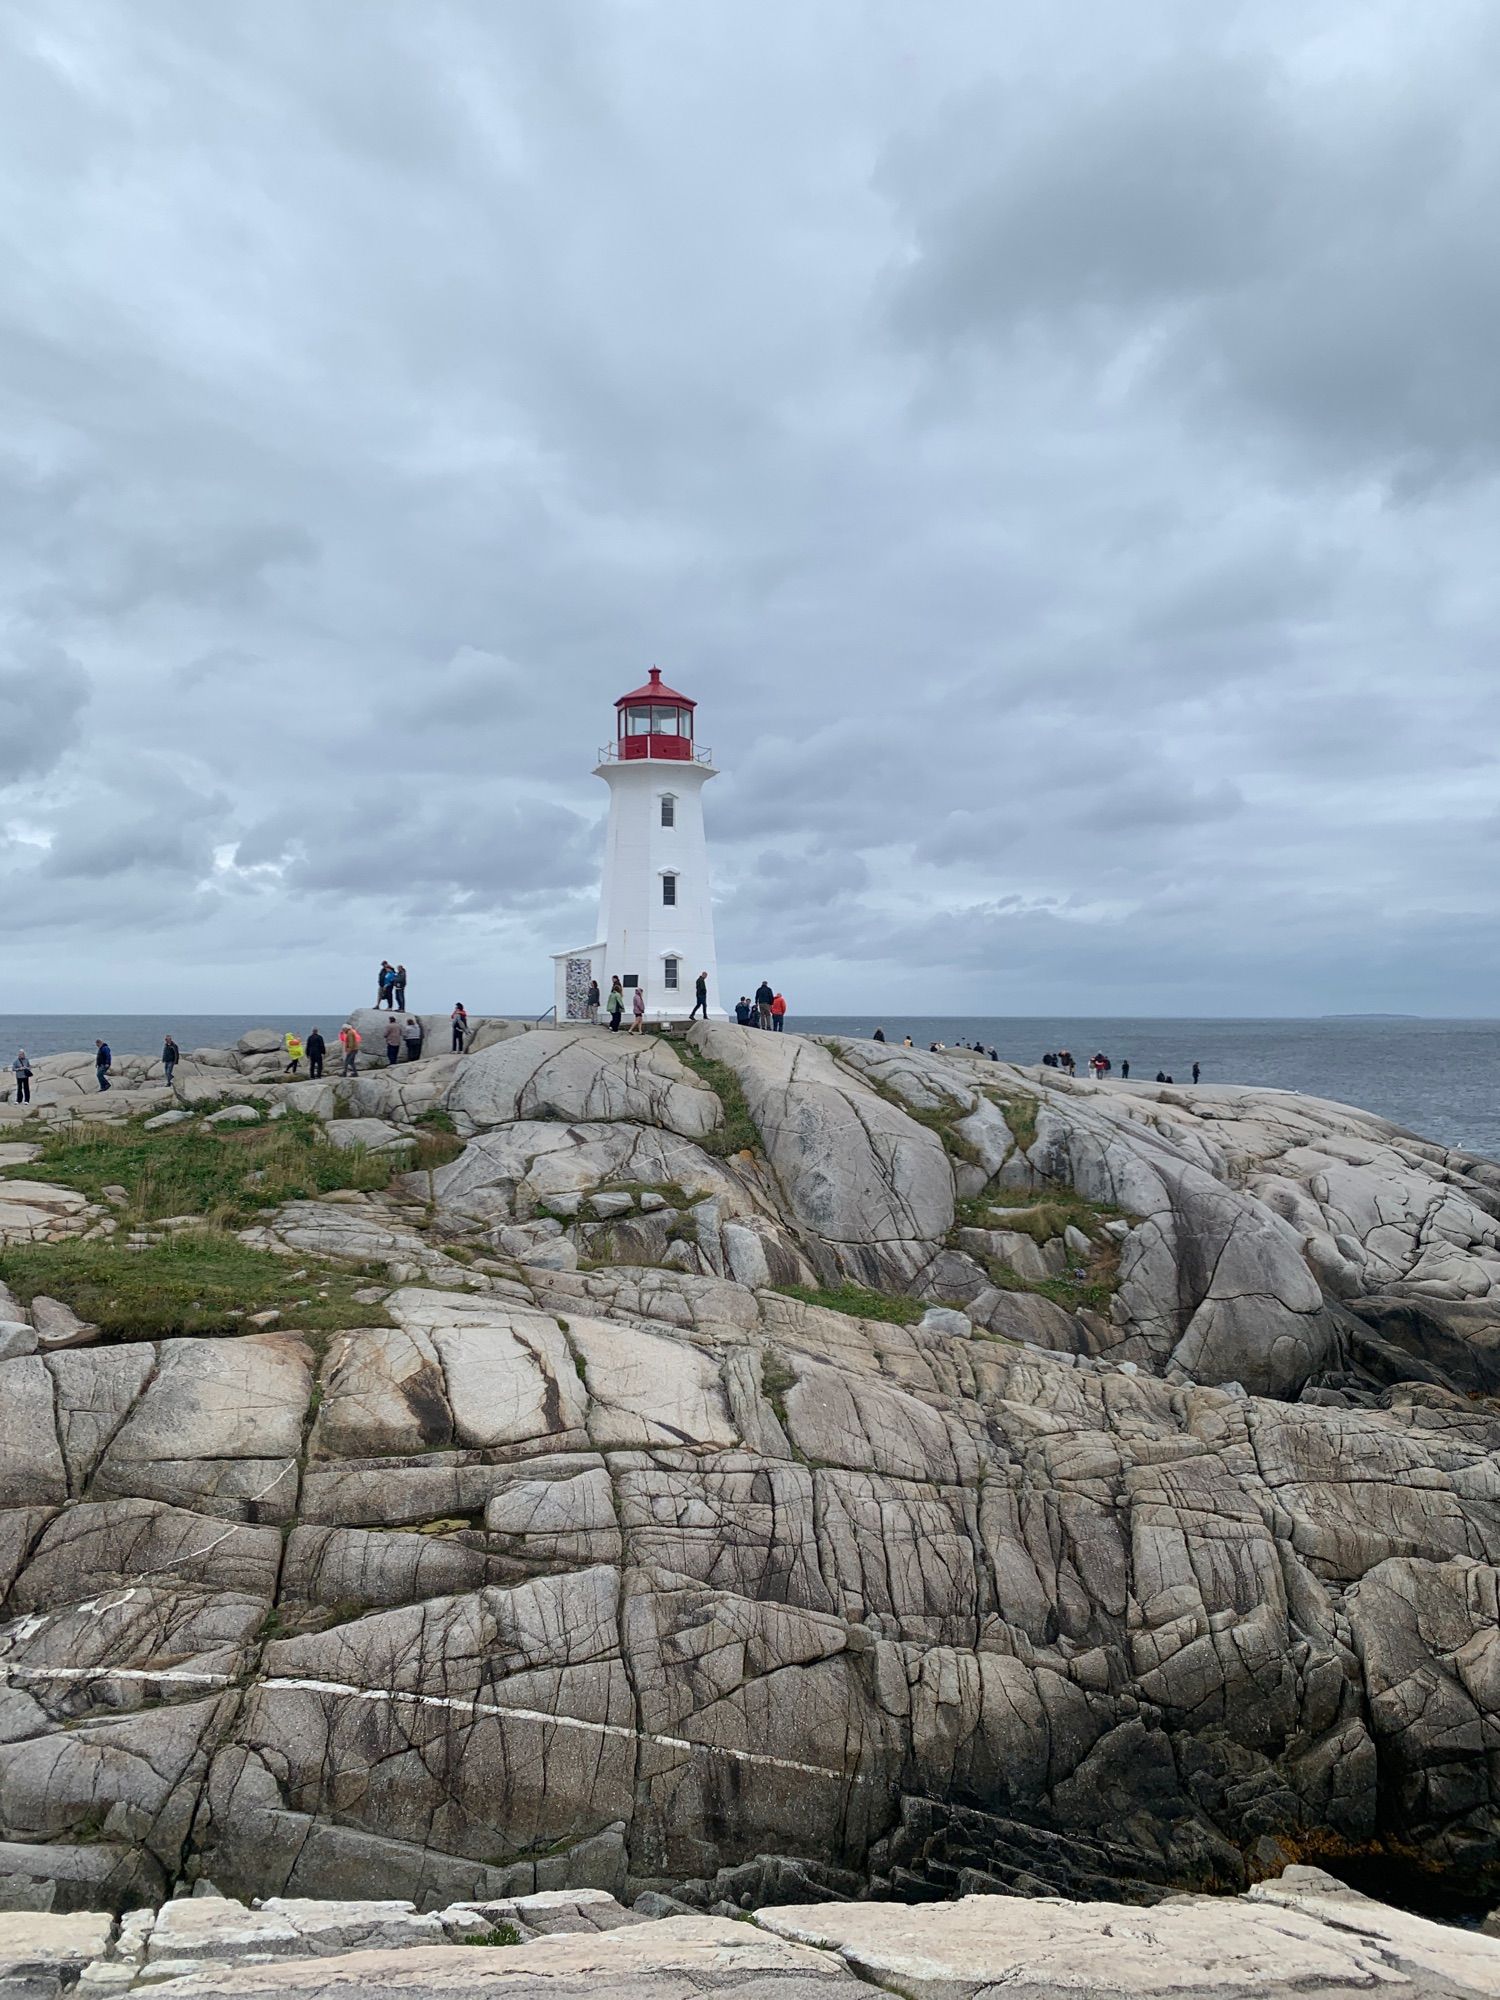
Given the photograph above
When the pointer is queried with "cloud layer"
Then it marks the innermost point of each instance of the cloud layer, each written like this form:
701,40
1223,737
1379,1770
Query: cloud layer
1058,446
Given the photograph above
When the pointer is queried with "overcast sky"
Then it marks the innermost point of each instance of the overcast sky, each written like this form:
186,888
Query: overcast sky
1057,444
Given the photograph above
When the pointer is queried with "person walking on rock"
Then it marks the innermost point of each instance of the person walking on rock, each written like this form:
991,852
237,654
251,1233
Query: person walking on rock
385,984
412,1035
171,1056
22,1068
103,1062
317,1048
637,1009
293,1051
615,1005
700,996
393,1041
400,989
460,1019
778,1012
349,1041
763,998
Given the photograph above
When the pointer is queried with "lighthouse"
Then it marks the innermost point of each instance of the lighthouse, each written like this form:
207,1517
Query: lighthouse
656,926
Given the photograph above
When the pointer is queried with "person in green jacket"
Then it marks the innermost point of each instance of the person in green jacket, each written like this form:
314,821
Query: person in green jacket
615,1004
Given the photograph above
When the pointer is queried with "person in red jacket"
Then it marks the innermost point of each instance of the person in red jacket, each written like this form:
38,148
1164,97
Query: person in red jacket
778,1012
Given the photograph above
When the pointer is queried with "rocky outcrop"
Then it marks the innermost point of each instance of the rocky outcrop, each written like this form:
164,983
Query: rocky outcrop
1305,1935
1130,1553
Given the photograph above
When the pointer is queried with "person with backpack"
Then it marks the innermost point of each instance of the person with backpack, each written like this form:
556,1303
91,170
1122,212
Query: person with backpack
293,1051
392,1041
615,1005
700,996
349,1041
385,984
171,1056
103,1062
763,998
317,1048
778,1012
460,1019
637,1009
22,1068
412,1036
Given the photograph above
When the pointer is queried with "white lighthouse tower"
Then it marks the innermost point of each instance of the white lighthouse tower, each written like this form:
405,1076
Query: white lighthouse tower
656,926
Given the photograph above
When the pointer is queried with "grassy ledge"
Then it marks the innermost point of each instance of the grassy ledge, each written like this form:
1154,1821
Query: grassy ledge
198,1281
738,1133
223,1173
896,1307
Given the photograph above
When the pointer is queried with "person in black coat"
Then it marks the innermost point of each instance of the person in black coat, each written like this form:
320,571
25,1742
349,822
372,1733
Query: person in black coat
317,1048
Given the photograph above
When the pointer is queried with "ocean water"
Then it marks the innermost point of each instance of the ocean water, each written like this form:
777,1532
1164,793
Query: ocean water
1438,1078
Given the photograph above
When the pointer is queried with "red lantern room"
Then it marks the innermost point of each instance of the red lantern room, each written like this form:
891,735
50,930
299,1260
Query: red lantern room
655,721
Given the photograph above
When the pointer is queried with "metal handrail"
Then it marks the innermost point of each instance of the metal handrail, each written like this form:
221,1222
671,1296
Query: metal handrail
550,1015
701,754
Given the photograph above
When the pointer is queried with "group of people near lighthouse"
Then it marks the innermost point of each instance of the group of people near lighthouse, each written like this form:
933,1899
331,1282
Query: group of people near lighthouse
766,1010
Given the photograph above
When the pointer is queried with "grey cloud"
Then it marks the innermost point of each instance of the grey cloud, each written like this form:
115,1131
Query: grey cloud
1056,452
43,693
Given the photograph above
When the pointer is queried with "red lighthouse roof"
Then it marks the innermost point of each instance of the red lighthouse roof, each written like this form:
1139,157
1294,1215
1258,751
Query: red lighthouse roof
655,690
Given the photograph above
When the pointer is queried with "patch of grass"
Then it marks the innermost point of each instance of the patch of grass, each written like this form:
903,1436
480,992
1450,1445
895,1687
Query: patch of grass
502,1934
1020,1116
199,1281
1093,1290
434,1148
436,1119
224,1173
858,1303
1041,1213
939,1118
738,1133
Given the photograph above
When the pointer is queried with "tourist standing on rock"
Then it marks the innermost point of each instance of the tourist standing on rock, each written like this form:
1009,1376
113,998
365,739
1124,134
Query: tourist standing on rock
700,996
1195,1072
637,1009
1125,1070
742,1010
393,1041
615,1005
171,1056
102,1063
412,1035
400,989
778,1012
460,1019
22,1068
384,984
764,995
349,1041
317,1048
591,1005
293,1051
878,1036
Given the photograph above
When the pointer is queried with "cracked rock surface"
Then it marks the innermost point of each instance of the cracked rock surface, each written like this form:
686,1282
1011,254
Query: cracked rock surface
597,1561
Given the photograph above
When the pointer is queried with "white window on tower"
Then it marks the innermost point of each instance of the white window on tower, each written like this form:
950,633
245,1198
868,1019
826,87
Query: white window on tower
668,809
669,974
669,890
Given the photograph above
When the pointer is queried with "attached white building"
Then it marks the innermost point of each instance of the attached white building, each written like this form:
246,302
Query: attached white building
656,926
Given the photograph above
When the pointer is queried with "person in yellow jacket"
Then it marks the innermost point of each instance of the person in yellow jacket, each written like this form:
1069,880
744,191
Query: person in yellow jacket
294,1052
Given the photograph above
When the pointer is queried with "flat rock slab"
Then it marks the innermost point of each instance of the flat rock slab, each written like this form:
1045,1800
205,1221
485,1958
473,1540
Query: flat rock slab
1329,1942
677,1957
234,1114
37,1939
376,1135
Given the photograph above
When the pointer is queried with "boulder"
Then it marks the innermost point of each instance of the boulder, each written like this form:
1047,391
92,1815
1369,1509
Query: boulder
373,1134
234,1114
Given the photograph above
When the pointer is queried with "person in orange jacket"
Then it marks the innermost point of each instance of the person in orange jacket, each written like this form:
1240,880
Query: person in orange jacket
349,1041
778,1012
